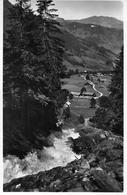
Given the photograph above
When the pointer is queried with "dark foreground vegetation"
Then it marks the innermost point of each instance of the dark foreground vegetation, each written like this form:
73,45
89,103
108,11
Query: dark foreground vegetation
33,56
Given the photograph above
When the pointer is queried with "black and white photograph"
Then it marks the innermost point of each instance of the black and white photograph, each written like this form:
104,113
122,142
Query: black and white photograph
63,111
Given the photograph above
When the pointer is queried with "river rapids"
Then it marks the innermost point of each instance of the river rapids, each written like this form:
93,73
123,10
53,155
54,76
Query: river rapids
58,155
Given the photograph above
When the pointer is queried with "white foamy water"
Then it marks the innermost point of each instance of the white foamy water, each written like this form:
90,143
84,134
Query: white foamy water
58,155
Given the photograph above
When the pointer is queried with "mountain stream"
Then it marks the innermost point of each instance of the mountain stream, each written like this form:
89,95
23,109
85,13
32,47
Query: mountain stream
58,155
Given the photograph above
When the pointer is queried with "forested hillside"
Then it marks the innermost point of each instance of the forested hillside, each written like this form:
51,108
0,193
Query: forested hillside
33,66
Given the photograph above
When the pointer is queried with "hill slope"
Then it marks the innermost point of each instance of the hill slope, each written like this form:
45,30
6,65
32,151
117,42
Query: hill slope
109,38
91,46
87,46
81,54
109,22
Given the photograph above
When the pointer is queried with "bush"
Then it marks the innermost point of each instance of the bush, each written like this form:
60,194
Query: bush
81,118
70,96
104,102
77,71
62,97
103,118
92,103
83,145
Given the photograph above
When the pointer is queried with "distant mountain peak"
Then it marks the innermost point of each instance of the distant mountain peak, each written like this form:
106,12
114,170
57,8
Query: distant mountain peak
102,17
105,21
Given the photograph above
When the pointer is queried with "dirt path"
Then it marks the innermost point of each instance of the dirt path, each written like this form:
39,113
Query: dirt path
93,85
87,97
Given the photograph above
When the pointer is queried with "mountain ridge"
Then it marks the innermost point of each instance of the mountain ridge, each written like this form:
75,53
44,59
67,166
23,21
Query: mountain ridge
106,21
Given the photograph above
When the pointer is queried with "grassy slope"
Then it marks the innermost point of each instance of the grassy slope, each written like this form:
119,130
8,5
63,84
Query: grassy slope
81,52
90,47
110,38
81,106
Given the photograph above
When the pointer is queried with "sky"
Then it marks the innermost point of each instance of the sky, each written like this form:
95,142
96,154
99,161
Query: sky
74,9
83,9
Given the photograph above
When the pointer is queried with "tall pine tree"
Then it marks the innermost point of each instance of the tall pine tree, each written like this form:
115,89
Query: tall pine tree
50,45
15,51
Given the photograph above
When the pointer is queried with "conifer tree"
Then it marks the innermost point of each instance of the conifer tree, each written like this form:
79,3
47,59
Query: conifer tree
15,48
50,44
116,88
111,107
32,65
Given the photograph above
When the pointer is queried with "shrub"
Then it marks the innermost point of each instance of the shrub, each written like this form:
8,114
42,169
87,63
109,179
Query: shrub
104,102
70,96
81,118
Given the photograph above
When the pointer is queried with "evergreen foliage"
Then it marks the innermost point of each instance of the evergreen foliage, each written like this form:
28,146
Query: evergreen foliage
92,103
51,46
104,102
81,118
109,115
33,56
116,88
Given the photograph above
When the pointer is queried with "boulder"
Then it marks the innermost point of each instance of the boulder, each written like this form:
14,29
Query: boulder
85,164
105,182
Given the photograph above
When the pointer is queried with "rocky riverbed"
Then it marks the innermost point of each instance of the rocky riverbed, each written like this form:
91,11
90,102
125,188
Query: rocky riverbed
100,168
